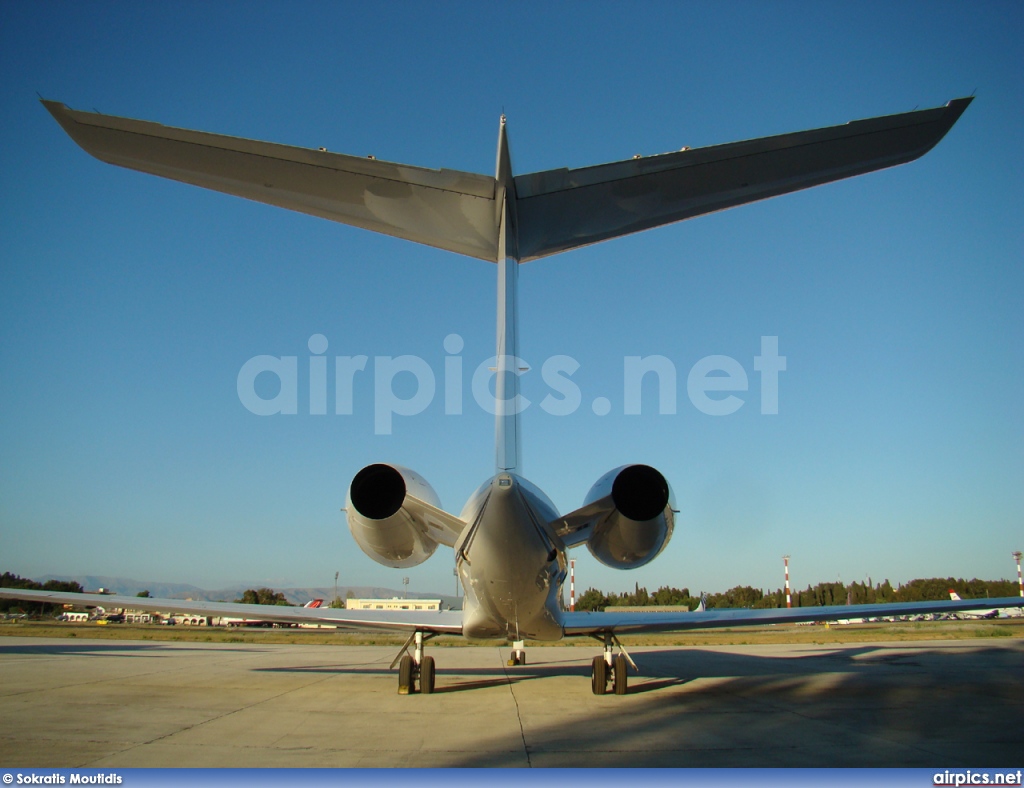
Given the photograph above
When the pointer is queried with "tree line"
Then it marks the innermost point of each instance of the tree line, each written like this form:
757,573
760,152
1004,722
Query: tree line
263,596
921,590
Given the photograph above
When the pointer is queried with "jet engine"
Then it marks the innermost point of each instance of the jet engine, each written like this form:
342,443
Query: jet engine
634,515
386,515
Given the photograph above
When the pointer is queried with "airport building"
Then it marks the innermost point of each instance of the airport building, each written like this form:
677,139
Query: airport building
138,617
72,615
393,604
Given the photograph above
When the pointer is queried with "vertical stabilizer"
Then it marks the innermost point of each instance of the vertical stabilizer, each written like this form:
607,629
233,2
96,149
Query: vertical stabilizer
506,382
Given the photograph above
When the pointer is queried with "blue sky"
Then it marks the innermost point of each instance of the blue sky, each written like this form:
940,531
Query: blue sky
128,304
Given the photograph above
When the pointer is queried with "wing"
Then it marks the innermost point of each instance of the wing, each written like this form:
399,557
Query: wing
563,209
633,623
442,622
443,208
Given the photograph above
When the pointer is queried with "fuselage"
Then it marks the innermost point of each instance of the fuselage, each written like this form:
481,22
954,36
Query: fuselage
510,562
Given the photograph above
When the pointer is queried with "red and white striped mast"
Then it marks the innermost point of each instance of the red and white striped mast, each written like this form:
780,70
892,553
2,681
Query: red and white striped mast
789,601
572,583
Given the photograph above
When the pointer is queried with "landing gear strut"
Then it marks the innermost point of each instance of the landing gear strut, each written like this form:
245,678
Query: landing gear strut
610,667
415,667
518,656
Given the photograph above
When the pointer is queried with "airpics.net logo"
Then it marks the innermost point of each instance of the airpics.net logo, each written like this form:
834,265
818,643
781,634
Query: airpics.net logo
968,777
407,385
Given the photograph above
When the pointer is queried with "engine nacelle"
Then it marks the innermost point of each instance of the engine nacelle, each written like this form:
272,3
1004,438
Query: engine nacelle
383,516
634,517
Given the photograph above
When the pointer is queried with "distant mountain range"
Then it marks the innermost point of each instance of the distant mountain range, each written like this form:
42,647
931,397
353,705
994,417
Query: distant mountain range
297,596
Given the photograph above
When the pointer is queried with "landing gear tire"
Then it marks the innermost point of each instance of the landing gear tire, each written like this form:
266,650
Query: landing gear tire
427,676
405,670
599,676
619,680
517,658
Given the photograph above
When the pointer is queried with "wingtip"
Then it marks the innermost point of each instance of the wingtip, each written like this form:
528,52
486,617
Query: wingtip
55,108
960,104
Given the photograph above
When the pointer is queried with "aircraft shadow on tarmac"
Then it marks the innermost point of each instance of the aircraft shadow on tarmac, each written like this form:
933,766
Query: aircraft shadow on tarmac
657,667
479,677
906,704
663,667
454,679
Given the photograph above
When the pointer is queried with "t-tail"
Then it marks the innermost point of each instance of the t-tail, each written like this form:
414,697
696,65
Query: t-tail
507,438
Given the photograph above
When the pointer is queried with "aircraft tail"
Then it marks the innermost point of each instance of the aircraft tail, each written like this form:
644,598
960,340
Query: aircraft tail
507,437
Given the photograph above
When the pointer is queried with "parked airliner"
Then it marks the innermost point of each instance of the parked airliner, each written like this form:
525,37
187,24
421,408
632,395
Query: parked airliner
988,612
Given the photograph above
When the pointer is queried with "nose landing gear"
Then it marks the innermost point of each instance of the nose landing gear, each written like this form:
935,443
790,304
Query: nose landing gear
518,656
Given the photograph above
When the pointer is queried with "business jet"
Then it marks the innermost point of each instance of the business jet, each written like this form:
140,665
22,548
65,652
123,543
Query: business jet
509,541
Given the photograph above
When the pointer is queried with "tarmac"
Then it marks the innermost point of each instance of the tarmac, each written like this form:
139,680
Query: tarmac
102,703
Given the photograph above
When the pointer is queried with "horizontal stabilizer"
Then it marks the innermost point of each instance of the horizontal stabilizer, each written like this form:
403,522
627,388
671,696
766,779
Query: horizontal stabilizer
554,211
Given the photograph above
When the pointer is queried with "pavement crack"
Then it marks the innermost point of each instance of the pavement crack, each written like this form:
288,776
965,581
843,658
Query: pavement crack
519,716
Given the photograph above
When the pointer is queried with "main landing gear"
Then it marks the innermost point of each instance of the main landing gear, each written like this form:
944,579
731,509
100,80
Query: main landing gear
415,668
610,668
